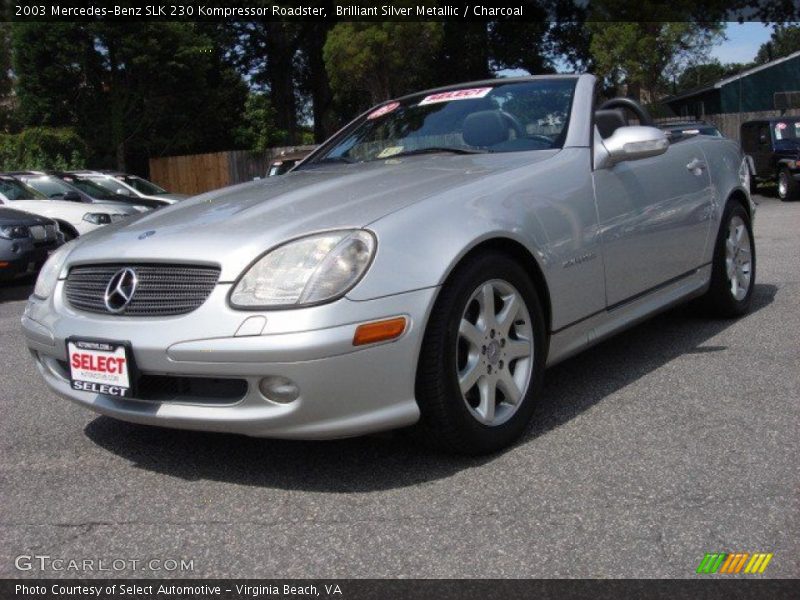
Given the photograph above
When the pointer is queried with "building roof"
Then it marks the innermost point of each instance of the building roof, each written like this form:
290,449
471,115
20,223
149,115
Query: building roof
722,82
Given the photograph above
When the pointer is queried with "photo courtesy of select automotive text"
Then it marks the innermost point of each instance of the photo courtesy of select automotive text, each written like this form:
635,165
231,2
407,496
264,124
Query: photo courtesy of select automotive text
399,299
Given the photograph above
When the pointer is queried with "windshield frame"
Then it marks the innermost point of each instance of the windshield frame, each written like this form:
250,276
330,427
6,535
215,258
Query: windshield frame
317,157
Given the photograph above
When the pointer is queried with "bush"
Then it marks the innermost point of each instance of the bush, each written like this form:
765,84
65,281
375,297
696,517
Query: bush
39,148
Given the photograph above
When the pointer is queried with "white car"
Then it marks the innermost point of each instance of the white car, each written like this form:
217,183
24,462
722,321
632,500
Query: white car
131,185
73,218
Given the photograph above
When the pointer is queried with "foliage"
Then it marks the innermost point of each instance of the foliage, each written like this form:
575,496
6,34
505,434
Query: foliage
703,74
42,148
257,131
645,56
374,58
784,40
131,91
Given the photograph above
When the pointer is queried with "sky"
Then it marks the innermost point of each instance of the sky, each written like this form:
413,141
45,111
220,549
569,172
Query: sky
743,42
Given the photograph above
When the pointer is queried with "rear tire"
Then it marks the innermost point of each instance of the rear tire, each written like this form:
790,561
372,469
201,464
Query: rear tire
788,188
733,271
482,358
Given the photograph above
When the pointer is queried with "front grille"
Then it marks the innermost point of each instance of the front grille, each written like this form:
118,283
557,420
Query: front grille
198,390
162,290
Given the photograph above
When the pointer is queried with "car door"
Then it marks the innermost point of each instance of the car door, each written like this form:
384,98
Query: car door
654,216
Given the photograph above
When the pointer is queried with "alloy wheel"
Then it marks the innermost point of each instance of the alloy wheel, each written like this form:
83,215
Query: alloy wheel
495,352
738,259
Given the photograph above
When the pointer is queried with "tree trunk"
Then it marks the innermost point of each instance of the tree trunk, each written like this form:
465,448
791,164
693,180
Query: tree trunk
281,46
318,82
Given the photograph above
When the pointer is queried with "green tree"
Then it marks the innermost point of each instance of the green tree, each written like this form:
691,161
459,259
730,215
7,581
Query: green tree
257,131
7,100
374,58
131,90
645,56
703,74
784,40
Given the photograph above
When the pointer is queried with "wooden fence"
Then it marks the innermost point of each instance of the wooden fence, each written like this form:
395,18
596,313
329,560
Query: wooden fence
198,173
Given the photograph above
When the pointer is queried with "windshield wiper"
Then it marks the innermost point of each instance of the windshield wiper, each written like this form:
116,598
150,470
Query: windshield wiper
436,149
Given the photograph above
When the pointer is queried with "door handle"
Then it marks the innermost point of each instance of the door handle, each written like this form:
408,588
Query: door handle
696,166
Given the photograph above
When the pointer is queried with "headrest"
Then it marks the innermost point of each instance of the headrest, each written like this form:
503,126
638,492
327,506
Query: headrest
608,121
485,128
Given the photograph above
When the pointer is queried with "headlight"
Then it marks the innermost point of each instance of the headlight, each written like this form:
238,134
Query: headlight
14,232
118,217
48,275
310,270
97,218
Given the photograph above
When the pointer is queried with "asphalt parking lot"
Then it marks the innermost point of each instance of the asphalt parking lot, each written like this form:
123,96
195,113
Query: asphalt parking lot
674,439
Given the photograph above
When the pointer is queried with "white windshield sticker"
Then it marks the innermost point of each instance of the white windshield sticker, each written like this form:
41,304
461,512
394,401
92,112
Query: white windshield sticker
456,95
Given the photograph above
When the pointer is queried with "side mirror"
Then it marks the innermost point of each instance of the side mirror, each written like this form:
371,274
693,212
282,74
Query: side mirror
72,196
635,142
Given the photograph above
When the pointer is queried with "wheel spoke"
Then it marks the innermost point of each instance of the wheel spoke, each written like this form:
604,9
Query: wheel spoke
508,315
509,387
470,376
488,315
470,332
488,398
517,349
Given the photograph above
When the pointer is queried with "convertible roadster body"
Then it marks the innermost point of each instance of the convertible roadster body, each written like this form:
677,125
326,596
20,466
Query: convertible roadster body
423,266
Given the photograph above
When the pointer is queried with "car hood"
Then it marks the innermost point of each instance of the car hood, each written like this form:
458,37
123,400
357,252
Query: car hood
233,226
10,216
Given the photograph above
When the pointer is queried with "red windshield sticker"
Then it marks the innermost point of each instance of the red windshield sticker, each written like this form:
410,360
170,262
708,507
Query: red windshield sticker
456,95
383,110
780,126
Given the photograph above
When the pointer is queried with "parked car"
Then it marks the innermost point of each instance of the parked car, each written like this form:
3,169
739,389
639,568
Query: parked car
94,190
772,147
676,131
130,185
67,188
285,161
73,218
422,266
25,242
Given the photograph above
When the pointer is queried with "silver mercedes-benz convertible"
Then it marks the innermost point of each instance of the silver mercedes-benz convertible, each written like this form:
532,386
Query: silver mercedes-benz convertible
423,266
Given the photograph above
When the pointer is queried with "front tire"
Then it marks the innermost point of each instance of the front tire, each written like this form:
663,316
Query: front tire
788,188
733,271
482,358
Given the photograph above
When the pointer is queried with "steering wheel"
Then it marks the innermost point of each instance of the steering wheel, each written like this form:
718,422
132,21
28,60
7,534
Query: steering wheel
633,106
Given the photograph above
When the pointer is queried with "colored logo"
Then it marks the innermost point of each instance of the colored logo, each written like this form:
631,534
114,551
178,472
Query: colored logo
734,562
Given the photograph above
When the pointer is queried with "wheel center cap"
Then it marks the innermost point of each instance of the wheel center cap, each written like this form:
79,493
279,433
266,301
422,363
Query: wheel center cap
493,352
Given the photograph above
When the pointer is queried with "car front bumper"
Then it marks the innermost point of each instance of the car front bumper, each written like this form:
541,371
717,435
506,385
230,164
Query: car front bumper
21,257
343,390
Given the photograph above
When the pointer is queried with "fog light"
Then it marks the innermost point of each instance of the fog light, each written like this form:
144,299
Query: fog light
279,389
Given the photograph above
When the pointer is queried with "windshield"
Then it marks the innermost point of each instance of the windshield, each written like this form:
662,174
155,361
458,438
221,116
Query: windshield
142,185
91,188
502,117
49,186
787,130
16,190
